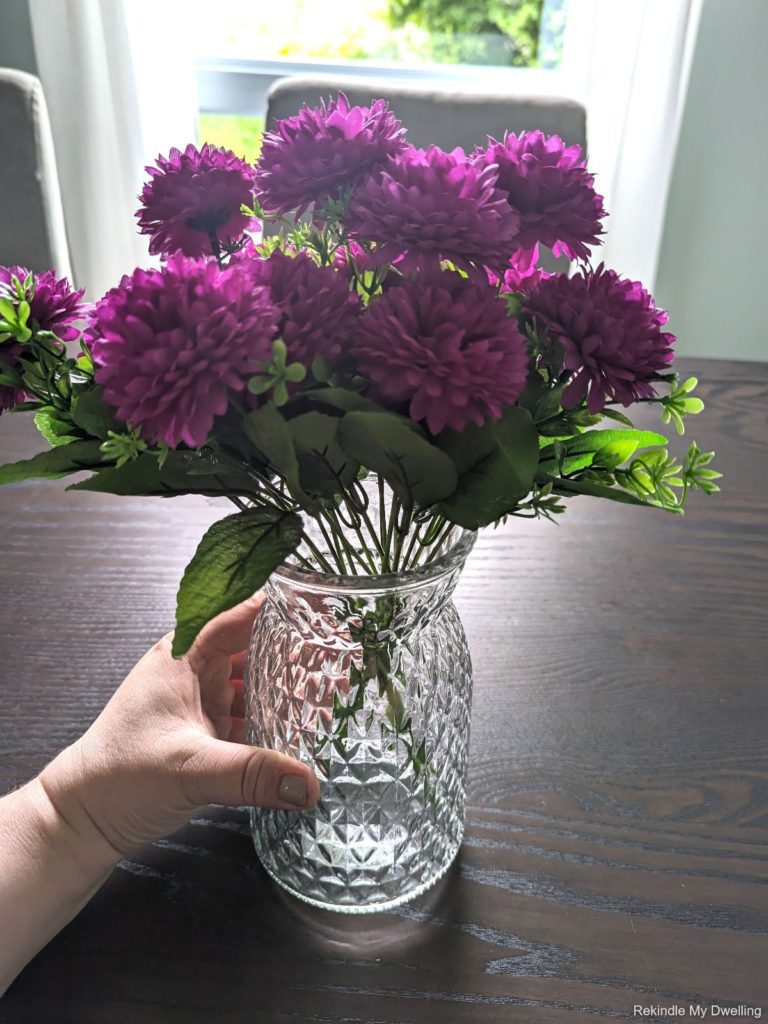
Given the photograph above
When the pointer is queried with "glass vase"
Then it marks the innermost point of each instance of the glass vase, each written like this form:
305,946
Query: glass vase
368,680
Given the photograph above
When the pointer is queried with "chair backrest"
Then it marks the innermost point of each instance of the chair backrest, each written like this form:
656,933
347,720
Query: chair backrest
443,116
32,232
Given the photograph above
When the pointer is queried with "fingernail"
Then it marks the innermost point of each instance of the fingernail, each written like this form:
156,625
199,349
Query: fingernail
293,790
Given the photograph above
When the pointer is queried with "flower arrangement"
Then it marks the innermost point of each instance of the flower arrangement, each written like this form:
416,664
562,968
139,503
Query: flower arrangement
354,342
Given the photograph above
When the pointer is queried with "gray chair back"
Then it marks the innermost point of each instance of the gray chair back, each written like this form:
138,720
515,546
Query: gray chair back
32,232
443,116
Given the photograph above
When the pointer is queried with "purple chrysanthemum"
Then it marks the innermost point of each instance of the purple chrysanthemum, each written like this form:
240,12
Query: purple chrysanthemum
318,313
548,184
516,280
428,205
323,150
192,198
445,345
610,330
53,304
171,345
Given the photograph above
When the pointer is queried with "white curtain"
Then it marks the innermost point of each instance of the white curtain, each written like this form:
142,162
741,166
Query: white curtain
629,61
110,115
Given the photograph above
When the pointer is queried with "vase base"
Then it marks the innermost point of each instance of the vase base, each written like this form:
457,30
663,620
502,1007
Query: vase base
370,908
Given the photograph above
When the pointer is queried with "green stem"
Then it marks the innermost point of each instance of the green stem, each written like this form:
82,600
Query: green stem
424,539
332,546
338,531
376,538
437,542
401,531
238,501
321,559
393,512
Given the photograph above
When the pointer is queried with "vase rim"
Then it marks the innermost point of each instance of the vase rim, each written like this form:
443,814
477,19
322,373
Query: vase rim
311,579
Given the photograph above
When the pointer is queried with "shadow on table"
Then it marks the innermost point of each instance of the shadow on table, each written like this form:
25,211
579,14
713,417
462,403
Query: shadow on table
193,929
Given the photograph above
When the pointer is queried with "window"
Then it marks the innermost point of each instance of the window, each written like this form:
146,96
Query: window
248,46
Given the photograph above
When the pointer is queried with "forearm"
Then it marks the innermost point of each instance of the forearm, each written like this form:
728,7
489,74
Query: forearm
49,869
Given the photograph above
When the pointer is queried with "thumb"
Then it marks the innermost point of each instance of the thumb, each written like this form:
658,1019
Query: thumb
236,774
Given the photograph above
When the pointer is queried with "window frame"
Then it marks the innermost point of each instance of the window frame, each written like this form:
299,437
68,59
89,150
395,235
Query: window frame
239,87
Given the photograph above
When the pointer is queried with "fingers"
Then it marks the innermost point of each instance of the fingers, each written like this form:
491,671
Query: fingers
235,774
229,632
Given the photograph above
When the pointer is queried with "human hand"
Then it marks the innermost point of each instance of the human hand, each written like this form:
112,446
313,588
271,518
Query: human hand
171,741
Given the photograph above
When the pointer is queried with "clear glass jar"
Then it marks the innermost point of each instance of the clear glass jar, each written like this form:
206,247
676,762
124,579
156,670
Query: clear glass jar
369,680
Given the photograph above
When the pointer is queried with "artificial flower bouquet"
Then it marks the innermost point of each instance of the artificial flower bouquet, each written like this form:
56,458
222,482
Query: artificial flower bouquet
354,342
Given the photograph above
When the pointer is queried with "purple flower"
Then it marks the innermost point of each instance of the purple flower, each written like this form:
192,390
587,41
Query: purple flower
322,151
171,345
446,346
193,197
318,313
53,304
610,330
428,205
548,184
515,279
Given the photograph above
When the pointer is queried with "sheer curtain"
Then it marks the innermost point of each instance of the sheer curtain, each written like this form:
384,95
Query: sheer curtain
629,62
113,106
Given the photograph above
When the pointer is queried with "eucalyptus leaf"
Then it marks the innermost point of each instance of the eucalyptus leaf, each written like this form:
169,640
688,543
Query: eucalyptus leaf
233,560
395,448
496,465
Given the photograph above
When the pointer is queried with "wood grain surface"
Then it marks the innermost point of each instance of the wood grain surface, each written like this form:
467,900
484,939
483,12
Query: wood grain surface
616,851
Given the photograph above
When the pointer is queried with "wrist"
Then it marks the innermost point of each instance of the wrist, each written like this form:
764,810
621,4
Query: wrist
65,818
48,872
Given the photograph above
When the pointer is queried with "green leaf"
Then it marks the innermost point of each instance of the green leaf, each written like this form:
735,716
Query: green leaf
270,435
55,431
594,440
323,467
68,458
692,406
344,399
596,490
9,377
395,448
235,557
92,414
177,473
613,454
614,414
496,465
23,312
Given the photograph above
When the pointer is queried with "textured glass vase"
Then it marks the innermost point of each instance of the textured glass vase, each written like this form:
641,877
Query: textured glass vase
368,679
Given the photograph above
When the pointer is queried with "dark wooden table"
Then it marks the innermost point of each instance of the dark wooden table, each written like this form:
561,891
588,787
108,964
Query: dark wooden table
616,852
